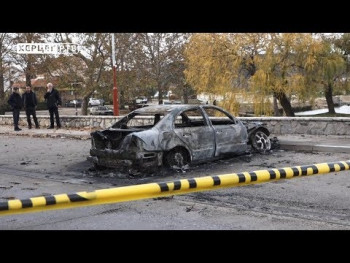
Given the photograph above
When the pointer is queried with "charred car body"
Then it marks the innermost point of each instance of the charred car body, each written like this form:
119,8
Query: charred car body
175,135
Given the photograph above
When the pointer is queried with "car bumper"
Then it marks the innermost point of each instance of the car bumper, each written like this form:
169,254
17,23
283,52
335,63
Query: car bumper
115,158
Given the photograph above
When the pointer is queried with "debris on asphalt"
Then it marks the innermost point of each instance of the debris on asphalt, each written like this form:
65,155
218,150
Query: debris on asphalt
189,208
6,187
164,198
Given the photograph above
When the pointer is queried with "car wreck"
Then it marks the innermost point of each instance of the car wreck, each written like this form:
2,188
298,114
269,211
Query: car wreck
175,136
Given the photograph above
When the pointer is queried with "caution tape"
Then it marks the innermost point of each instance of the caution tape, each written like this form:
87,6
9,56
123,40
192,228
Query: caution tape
152,190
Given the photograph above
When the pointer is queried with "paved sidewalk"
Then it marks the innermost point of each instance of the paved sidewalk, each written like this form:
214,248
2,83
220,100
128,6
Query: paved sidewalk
300,142
72,133
315,143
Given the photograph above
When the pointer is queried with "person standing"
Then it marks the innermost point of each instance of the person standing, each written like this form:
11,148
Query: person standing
16,104
29,103
53,101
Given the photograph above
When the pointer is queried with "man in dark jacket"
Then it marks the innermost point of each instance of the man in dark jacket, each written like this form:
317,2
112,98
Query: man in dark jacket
30,102
53,100
15,102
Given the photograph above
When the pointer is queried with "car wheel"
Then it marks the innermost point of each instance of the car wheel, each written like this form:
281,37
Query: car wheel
260,141
177,158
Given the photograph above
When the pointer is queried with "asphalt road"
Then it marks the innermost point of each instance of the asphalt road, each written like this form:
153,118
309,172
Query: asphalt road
40,166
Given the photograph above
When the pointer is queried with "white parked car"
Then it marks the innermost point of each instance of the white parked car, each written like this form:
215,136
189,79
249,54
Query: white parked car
141,100
101,110
94,102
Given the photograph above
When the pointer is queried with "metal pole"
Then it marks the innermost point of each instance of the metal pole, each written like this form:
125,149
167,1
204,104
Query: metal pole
75,104
115,89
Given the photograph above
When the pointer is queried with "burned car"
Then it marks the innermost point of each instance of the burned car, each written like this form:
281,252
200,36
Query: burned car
175,135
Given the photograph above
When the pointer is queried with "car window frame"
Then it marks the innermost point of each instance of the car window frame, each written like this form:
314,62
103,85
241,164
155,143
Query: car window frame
230,116
206,124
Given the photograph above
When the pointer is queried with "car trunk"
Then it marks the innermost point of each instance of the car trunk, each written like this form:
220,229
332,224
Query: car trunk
111,138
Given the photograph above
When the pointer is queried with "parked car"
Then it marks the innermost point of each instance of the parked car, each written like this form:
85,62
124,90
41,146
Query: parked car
102,102
101,110
175,135
167,102
94,102
134,106
141,100
74,103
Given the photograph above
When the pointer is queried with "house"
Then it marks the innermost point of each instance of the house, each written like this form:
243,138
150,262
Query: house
39,87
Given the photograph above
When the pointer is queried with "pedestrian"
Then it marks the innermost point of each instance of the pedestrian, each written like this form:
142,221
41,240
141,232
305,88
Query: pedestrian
30,103
16,104
53,101
214,102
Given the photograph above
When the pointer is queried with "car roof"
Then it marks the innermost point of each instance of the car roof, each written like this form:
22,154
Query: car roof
164,108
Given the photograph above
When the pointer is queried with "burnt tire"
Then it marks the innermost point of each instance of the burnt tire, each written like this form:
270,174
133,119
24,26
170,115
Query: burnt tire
260,141
177,158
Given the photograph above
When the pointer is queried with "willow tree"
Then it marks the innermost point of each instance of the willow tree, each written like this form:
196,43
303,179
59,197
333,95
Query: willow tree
329,70
268,64
287,60
343,46
222,64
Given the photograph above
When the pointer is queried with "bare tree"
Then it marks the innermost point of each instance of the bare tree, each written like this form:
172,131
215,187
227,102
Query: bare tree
125,44
156,54
94,58
6,41
28,62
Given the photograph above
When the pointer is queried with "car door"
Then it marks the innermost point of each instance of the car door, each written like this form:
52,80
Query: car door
230,136
193,130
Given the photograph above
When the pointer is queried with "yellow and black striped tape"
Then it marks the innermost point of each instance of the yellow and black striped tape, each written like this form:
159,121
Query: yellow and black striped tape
152,190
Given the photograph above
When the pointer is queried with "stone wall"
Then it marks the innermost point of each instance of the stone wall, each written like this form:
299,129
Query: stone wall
305,125
66,121
277,125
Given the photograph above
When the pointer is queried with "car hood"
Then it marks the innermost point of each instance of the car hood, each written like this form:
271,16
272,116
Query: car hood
252,125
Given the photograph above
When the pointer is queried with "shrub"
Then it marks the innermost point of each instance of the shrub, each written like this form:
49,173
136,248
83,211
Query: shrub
42,105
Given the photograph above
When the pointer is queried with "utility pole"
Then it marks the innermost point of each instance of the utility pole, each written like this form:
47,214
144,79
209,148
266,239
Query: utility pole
115,89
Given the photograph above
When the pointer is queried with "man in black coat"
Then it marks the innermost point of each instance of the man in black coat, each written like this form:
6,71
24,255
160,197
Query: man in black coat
15,102
30,102
53,100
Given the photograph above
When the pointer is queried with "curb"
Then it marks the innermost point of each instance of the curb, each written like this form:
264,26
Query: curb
48,135
302,146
